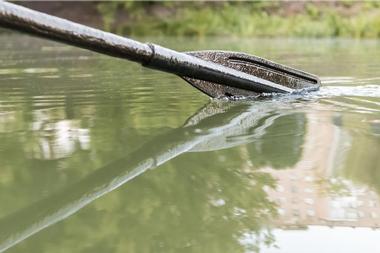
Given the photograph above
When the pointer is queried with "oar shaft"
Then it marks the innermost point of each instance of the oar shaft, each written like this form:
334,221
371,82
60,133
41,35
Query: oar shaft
153,56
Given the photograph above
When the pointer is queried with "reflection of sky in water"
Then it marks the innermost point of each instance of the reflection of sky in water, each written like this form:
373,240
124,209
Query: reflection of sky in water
320,239
51,138
57,139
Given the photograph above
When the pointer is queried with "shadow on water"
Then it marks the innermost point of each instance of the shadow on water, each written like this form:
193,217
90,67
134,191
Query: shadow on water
219,125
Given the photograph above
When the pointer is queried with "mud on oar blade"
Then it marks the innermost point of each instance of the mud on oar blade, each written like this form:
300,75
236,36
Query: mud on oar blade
253,65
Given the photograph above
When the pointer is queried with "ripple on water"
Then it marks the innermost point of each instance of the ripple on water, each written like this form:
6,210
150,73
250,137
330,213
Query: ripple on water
369,90
12,71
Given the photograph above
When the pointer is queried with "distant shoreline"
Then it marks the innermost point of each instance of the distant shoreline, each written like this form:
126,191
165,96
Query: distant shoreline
240,19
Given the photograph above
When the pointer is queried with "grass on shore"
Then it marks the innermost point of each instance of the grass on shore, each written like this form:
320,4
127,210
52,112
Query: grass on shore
241,19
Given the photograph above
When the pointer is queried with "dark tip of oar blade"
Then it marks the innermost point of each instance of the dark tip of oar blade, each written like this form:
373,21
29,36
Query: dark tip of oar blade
253,65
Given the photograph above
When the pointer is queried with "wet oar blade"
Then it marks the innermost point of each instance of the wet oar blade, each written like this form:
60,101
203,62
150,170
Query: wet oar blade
253,65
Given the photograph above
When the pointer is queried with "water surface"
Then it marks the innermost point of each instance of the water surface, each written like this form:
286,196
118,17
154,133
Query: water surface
101,155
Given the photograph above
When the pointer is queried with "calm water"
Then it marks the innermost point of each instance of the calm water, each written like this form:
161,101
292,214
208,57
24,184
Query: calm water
100,155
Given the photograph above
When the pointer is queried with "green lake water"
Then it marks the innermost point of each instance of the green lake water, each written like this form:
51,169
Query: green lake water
98,154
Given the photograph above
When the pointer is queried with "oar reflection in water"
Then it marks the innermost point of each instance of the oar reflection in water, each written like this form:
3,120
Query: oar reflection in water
215,126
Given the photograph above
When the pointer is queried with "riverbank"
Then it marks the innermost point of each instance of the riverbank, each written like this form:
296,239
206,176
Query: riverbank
239,19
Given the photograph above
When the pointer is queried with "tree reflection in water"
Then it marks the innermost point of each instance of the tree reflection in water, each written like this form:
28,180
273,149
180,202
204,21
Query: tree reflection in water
215,203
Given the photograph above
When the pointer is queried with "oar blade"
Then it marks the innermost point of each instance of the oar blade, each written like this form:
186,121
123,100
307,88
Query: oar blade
253,65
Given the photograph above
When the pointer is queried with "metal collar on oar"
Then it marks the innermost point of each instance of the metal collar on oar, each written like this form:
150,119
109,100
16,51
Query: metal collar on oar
216,73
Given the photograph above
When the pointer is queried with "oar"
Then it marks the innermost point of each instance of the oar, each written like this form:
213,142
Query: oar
216,73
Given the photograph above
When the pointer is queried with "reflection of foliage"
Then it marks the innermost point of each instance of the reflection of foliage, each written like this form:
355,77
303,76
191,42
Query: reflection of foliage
209,207
253,241
281,146
239,18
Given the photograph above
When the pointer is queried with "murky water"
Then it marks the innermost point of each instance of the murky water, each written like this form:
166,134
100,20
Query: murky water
100,155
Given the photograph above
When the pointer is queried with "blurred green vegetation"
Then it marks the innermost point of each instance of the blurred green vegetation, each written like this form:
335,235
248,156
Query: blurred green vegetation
270,19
